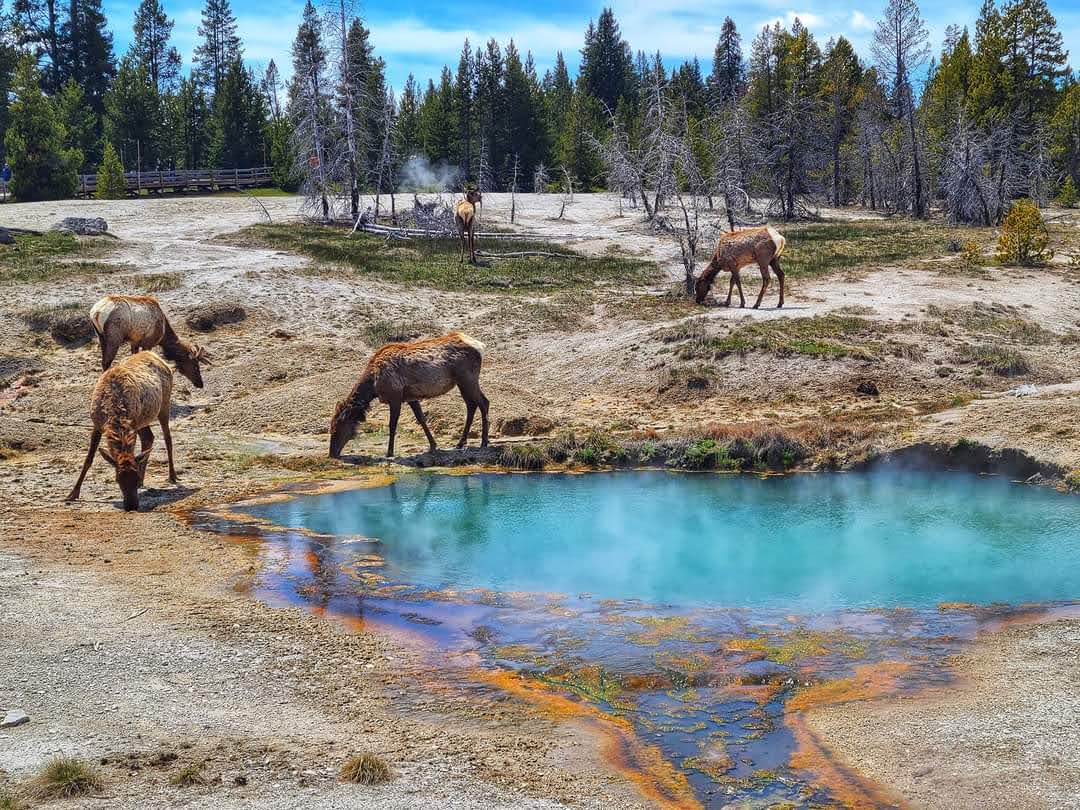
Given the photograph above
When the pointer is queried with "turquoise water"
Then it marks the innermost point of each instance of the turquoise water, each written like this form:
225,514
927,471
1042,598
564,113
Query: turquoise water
806,542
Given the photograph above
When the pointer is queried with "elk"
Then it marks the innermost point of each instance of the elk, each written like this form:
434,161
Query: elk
410,372
127,399
465,219
760,246
139,321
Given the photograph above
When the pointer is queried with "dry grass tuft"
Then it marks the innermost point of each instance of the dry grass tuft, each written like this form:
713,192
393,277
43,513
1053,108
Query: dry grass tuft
156,282
189,776
67,777
365,769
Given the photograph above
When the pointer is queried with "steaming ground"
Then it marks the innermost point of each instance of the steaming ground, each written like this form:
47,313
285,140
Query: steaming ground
207,666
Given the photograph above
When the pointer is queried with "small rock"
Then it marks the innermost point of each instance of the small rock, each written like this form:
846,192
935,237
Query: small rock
13,718
868,388
1025,390
5,237
82,226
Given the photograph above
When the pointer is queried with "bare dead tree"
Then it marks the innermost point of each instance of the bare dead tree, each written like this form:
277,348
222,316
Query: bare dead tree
513,188
540,179
967,188
385,170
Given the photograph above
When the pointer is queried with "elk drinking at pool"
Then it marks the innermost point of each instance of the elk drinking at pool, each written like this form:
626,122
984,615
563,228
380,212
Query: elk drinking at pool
465,219
410,372
139,321
760,246
127,399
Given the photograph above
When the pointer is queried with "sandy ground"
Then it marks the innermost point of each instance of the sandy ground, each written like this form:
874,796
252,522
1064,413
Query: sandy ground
209,673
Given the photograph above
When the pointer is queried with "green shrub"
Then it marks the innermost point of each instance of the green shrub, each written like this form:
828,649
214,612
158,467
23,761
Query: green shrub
110,176
971,255
522,457
1024,238
1067,196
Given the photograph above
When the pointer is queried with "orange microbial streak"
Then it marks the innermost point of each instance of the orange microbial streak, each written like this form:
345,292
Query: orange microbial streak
643,765
848,787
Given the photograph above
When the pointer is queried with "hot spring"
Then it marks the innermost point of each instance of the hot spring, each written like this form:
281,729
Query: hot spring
807,542
707,611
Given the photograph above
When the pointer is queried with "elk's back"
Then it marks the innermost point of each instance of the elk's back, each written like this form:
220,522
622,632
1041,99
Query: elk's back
133,391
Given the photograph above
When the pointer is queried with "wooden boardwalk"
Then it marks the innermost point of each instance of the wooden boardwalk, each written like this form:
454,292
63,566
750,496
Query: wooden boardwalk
178,180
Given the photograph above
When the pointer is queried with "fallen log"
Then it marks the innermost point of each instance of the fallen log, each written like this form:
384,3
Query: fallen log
523,253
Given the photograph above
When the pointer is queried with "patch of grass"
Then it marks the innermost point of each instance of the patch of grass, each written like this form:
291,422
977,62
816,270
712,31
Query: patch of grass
379,333
997,320
67,777
522,457
1072,481
9,801
1000,359
365,769
156,282
825,336
817,248
47,256
435,262
189,776
705,454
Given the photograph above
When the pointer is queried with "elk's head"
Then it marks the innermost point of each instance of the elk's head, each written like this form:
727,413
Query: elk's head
189,359
703,283
474,196
130,467
347,415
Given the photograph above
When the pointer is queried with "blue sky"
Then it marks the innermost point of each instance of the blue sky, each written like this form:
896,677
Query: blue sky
423,35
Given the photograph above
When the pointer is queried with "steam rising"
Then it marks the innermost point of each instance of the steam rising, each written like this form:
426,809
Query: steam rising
419,175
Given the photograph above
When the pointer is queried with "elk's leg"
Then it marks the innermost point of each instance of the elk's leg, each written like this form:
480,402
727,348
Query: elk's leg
483,403
108,351
163,420
419,414
730,287
472,241
95,438
461,235
474,398
764,284
395,414
775,264
738,283
146,439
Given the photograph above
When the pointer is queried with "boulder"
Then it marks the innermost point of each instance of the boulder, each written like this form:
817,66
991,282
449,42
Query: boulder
210,316
868,388
14,717
5,237
82,226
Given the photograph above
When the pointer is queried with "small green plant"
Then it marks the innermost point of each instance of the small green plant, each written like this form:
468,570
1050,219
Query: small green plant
1024,238
647,452
1067,196
188,776
1072,481
563,446
110,176
598,448
365,769
67,777
706,454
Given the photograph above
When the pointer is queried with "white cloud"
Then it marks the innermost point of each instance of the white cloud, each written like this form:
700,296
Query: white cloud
860,22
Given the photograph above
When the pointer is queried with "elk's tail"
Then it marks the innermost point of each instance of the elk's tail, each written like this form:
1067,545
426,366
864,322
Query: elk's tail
470,341
778,240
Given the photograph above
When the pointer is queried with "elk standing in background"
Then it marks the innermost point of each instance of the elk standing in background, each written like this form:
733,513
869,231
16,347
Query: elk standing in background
127,399
139,321
409,372
760,246
465,219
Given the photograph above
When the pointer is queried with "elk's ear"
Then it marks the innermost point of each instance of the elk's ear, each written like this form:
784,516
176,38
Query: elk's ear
203,356
106,455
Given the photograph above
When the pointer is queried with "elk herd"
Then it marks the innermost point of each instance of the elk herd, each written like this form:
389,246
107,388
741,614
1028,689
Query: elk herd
135,393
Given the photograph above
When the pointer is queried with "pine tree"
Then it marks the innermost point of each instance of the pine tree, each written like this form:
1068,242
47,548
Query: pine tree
42,169
407,126
727,79
133,116
151,47
78,121
188,117
238,121
464,82
220,45
8,60
39,24
1035,59
111,184
841,77
607,72
309,110
1065,129
88,52
558,96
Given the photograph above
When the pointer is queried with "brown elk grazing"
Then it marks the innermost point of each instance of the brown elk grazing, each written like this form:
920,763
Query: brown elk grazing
760,246
465,219
127,399
410,372
139,321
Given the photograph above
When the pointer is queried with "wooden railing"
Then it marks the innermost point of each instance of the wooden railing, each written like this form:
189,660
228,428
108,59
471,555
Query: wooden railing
184,180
